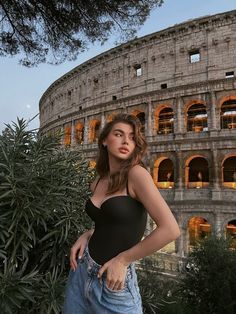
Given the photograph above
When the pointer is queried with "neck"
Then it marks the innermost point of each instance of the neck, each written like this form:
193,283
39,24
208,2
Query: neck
114,165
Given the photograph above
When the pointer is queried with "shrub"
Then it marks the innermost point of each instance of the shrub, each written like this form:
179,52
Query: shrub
208,285
43,188
158,291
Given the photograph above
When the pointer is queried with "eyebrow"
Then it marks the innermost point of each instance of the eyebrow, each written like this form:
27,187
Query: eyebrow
122,131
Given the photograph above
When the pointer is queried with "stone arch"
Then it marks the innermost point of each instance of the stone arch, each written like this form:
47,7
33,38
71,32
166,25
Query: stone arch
94,128
142,117
198,229
197,172
163,173
196,118
67,134
92,164
208,216
79,132
228,112
228,171
110,117
164,119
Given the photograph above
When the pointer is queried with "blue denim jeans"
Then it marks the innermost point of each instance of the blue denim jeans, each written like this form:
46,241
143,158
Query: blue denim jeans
86,294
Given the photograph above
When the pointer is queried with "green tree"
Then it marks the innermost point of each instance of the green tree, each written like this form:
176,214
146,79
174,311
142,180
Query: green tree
43,188
208,285
54,31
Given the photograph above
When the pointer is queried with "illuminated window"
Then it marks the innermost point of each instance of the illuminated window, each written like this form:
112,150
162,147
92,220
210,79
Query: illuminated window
228,114
198,229
197,118
165,121
94,128
79,132
229,172
197,173
165,175
67,134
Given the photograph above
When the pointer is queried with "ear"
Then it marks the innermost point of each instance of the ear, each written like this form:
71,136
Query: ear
104,144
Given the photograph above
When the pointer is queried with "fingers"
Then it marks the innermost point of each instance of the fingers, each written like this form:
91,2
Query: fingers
115,285
76,250
102,270
73,262
81,251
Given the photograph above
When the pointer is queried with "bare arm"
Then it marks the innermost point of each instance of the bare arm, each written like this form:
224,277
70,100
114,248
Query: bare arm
167,229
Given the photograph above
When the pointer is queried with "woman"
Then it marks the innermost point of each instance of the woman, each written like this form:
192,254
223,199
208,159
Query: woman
103,278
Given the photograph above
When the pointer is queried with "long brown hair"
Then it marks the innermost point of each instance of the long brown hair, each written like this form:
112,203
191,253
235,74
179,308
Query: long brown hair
118,180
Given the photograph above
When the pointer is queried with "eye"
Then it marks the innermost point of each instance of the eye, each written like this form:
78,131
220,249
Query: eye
117,134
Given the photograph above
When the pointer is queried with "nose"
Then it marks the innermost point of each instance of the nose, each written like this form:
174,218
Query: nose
125,140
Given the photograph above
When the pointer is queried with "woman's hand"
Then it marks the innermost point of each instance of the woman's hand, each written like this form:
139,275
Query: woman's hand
78,248
116,271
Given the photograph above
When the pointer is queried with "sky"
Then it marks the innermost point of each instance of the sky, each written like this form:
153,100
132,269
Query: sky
21,88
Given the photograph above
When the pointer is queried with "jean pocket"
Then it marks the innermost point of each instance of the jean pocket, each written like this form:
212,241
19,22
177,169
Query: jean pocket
120,291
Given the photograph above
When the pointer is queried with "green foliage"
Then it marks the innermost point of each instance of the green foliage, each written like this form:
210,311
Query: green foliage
54,31
159,293
43,188
208,285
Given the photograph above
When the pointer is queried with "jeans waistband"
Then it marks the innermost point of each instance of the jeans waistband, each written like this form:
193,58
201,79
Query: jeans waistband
94,267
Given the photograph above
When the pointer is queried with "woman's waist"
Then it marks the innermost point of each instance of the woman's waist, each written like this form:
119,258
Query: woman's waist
103,248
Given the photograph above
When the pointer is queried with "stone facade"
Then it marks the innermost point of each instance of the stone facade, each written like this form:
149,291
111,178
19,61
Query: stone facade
181,83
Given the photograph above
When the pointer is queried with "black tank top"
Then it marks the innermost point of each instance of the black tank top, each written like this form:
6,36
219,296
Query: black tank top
119,224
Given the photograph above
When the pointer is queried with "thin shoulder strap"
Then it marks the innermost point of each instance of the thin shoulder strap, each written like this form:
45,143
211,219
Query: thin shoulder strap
96,184
127,187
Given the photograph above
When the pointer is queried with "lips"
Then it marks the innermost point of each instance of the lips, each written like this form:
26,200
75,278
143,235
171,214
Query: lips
124,150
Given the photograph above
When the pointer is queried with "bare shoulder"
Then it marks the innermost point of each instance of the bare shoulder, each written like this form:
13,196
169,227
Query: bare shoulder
138,173
139,180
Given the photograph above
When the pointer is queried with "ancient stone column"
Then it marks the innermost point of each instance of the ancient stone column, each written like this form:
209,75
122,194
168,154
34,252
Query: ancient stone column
216,172
73,141
179,176
86,130
149,120
212,101
179,123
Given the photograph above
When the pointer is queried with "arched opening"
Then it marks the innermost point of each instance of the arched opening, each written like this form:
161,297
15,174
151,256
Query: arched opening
110,117
197,118
165,174
197,173
67,134
165,122
79,133
141,115
94,128
92,164
198,229
228,114
231,233
229,172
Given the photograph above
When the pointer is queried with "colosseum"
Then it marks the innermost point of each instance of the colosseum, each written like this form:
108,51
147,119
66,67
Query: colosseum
181,84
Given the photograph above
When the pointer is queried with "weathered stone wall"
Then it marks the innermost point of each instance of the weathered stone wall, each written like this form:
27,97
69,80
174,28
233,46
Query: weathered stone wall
164,58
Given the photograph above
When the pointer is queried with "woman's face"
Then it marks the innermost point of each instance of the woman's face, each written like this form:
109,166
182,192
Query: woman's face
120,141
